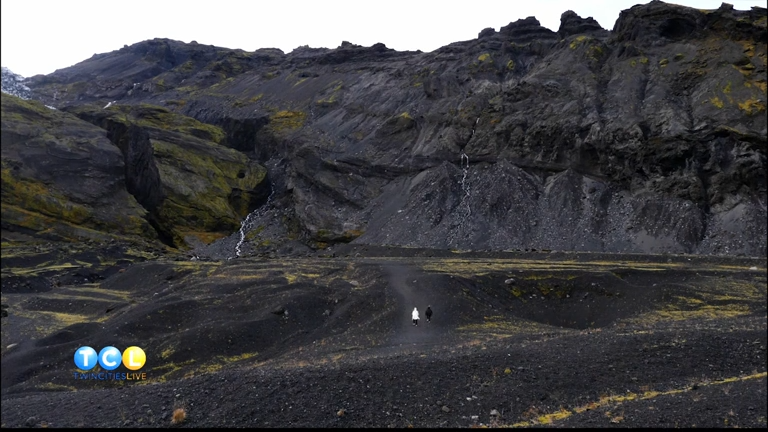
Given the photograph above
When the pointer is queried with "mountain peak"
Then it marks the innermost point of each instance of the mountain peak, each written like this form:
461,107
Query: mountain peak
571,23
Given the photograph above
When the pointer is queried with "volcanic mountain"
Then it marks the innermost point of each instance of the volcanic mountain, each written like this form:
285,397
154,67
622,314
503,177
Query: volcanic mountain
648,138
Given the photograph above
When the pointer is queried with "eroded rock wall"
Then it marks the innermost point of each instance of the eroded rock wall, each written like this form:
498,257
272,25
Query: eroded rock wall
650,137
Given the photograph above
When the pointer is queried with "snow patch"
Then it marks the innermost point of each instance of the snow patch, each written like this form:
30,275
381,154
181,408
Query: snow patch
13,84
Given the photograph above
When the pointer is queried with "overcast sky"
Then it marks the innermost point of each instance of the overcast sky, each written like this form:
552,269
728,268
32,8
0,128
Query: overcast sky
40,36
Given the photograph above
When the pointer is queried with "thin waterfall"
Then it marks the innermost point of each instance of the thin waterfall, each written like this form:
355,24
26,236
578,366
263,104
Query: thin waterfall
465,209
464,164
245,225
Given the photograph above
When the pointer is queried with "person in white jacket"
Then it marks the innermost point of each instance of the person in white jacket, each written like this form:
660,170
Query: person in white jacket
415,316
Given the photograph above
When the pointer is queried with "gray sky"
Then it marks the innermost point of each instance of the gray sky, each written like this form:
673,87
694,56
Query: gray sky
40,36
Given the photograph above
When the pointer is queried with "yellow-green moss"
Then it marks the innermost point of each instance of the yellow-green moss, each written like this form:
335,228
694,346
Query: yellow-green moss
286,120
300,81
243,102
219,363
748,47
350,235
752,106
199,183
679,56
484,57
578,40
644,60
595,52
252,234
15,215
330,100
153,116
177,103
716,101
511,65
186,67
727,88
405,115
17,107
759,84
663,62
35,196
171,368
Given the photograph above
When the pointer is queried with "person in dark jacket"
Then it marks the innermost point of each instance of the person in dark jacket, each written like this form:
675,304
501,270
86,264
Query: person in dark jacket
428,313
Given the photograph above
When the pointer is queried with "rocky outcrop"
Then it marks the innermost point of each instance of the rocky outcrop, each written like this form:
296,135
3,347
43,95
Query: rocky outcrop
658,23
194,189
528,30
152,174
62,177
647,138
572,24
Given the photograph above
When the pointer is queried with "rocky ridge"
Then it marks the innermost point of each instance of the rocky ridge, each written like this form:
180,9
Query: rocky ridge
647,138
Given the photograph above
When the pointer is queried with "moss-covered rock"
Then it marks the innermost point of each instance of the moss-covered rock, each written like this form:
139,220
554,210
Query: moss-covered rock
62,178
208,187
197,187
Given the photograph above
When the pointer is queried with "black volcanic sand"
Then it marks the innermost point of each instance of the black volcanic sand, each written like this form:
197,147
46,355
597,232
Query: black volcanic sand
539,338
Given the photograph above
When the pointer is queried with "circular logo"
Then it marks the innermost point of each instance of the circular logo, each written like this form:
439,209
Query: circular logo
134,358
85,358
109,358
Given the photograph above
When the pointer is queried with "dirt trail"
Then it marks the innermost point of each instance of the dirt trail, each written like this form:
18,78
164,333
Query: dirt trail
410,293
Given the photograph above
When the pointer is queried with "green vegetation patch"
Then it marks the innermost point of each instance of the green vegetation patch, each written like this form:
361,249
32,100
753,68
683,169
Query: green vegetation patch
36,196
153,116
578,40
286,121
200,181
752,106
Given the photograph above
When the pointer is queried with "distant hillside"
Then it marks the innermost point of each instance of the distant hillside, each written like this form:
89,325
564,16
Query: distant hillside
648,138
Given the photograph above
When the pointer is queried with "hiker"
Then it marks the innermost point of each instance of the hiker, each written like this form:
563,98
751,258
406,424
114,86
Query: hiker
428,313
415,316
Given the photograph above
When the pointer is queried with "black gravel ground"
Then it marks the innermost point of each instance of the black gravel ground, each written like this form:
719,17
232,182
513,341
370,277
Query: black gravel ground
517,339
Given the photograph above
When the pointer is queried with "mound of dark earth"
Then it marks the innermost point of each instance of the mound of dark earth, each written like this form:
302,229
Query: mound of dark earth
557,339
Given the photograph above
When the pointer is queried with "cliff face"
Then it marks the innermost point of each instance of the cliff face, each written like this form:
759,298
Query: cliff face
647,138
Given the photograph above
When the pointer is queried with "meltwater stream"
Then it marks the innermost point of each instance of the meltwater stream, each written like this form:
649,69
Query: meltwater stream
465,209
464,165
245,225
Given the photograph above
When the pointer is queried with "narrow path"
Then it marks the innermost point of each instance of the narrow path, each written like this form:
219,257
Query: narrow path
410,293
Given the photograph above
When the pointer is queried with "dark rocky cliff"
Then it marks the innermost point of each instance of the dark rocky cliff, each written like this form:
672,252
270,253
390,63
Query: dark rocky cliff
647,138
